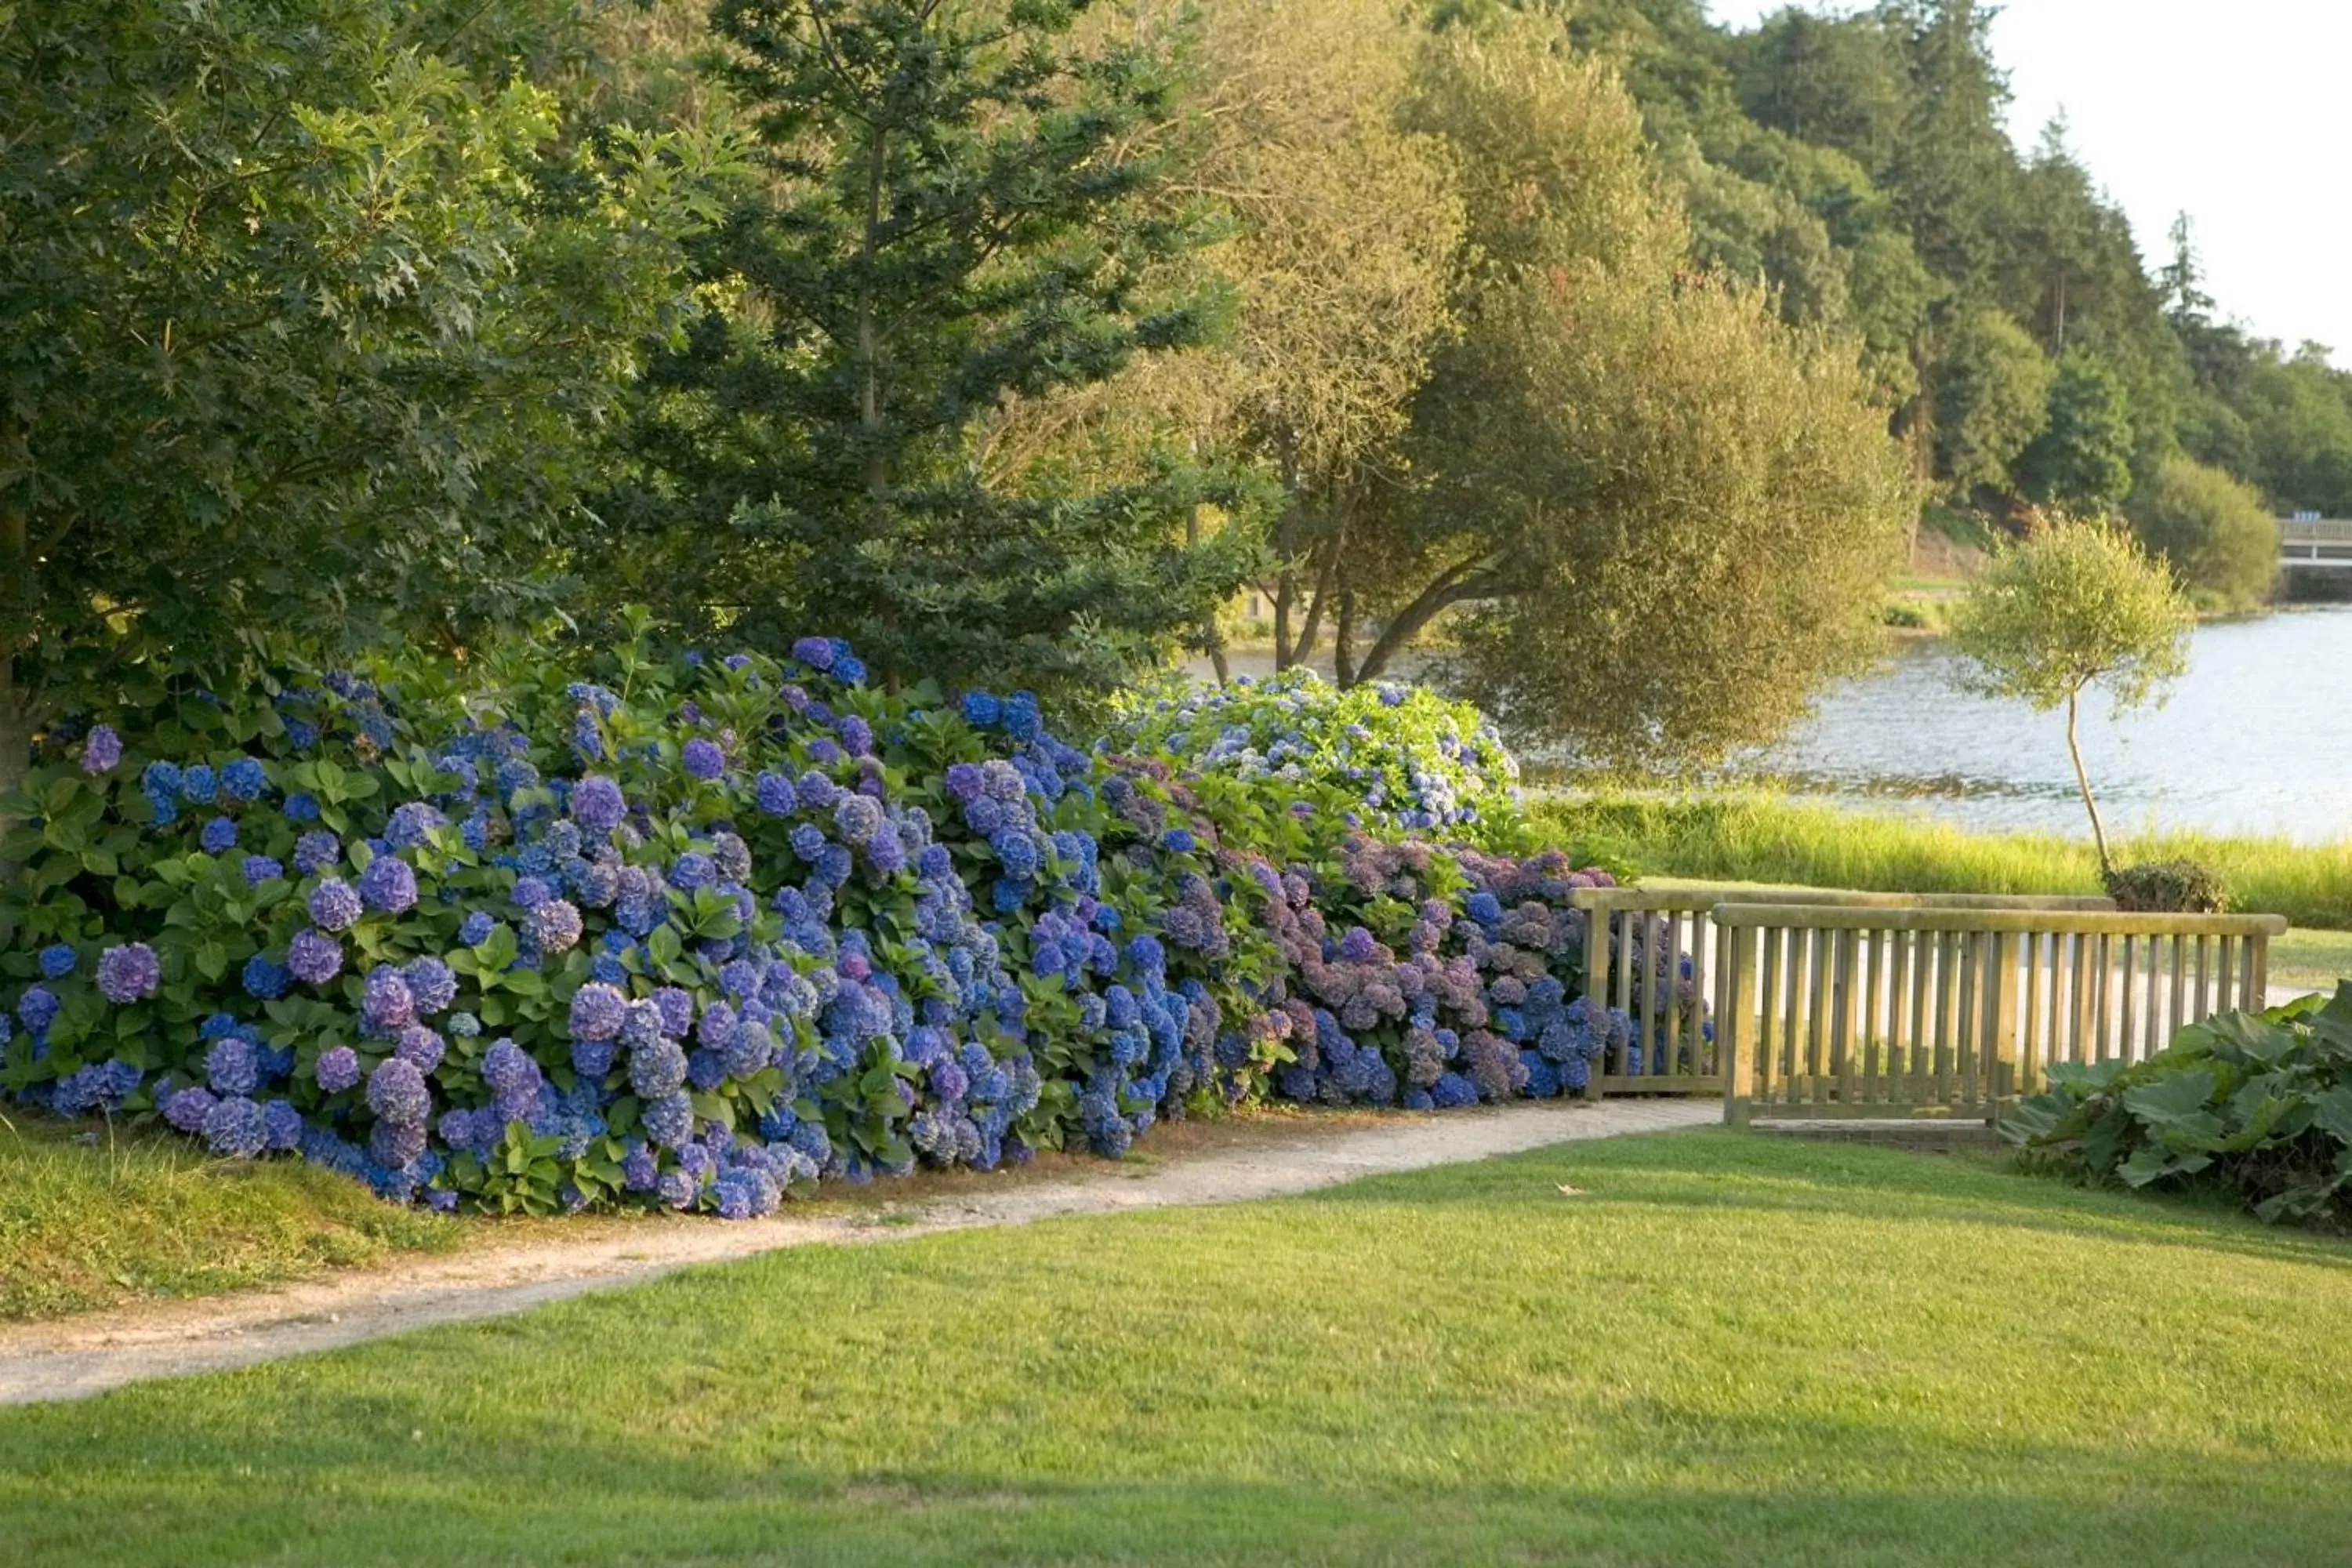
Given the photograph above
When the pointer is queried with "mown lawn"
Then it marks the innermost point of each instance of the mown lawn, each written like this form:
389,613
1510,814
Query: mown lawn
91,1215
1723,1350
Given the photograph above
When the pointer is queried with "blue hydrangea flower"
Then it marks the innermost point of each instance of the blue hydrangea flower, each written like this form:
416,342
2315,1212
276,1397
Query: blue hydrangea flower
261,868
57,960
264,979
198,785
702,758
231,1066
668,1121
476,929
244,779
219,836
301,807
597,1011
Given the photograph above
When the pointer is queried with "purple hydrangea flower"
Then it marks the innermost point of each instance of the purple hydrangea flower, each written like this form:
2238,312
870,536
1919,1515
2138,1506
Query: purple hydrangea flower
412,824
129,974
386,1005
703,759
674,1005
315,852
530,892
597,1011
856,818
101,750
334,906
187,1109
432,983
396,1093
313,957
420,1045
554,925
817,653
597,805
388,886
338,1068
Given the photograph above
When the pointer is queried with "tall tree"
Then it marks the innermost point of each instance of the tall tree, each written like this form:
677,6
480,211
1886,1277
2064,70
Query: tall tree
307,324
2082,458
959,210
1612,442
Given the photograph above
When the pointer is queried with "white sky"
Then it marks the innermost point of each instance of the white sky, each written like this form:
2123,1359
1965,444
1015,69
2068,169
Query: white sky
2238,111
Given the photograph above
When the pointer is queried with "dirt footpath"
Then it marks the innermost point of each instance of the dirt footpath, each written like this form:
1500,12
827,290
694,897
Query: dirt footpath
75,1357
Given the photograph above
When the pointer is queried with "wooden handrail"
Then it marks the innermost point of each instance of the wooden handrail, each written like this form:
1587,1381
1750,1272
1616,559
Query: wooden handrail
1798,916
1690,900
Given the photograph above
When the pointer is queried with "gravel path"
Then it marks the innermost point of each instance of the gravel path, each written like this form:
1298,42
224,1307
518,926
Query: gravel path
76,1357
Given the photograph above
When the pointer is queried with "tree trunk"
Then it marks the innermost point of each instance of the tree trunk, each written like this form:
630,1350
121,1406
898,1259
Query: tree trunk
1343,640
1286,588
2075,750
1211,639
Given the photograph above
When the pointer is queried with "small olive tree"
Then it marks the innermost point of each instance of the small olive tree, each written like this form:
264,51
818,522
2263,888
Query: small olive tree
2078,603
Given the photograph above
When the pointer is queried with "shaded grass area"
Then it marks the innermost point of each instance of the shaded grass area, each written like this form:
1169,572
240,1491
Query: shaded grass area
1754,836
1722,1350
2311,960
91,1215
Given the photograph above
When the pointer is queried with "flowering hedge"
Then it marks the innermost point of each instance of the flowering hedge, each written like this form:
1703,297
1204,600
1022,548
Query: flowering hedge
1395,758
702,932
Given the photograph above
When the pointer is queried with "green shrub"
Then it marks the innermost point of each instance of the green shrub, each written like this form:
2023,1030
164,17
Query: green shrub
2255,1106
2214,532
2168,888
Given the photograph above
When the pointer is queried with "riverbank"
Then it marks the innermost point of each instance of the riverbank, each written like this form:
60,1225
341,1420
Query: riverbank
1744,835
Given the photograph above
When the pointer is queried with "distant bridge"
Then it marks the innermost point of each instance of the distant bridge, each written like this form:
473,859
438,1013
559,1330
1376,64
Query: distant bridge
2315,543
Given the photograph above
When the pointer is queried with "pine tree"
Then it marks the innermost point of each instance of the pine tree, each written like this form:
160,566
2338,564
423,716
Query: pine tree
958,213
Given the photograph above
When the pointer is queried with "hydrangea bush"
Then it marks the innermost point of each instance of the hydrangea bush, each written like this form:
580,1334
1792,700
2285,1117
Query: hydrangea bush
701,932
1391,758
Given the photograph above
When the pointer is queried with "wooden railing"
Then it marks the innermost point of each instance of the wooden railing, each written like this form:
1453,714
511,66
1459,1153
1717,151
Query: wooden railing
1838,1011
1670,936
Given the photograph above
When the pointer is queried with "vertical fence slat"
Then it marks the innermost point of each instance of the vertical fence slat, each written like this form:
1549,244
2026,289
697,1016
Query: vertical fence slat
1872,1042
2258,973
2029,1039
1819,949
1731,1023
1673,998
2179,990
1771,940
1842,1031
2225,993
2130,968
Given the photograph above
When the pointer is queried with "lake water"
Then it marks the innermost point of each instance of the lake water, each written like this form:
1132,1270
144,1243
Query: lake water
2257,739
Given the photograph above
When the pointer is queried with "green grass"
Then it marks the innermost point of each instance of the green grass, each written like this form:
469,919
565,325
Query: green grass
1750,836
89,1216
1726,1349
